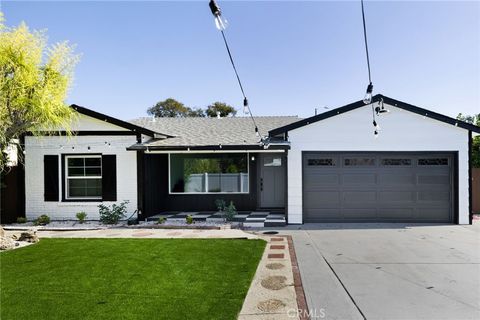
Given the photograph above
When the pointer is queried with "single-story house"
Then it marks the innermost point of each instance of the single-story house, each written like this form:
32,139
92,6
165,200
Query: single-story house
326,168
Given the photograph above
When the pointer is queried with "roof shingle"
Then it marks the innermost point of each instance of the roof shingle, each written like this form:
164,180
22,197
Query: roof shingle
192,131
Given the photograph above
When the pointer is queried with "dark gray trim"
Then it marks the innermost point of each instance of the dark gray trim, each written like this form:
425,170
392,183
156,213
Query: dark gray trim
470,191
455,173
115,121
240,147
140,183
88,133
376,98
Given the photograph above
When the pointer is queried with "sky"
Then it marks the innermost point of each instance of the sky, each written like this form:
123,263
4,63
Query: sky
292,56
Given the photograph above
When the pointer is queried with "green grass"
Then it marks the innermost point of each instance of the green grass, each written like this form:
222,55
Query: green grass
128,278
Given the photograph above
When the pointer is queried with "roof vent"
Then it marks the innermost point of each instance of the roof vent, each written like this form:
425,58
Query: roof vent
218,115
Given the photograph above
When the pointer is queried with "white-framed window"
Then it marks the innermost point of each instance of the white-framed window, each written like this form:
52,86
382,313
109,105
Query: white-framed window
208,173
83,177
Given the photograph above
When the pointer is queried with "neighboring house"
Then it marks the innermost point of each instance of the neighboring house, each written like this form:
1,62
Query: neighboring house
326,168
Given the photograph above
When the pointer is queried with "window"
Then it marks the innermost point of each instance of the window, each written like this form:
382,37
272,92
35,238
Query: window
396,162
321,162
359,161
272,162
83,177
209,173
433,162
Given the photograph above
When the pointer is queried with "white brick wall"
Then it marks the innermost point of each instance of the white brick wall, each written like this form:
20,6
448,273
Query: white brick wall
353,131
37,147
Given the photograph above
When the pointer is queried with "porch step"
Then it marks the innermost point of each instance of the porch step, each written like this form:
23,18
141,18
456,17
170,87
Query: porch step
250,219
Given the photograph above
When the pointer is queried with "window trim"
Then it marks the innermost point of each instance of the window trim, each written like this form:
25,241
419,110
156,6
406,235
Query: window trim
67,197
207,192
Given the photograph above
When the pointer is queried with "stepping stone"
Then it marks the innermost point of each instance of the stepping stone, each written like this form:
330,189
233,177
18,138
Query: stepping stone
276,256
270,305
277,247
276,239
274,282
275,266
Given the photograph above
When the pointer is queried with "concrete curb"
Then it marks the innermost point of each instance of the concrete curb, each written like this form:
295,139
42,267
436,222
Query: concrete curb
297,282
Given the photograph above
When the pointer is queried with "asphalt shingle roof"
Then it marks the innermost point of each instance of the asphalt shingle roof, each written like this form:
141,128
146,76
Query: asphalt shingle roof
192,131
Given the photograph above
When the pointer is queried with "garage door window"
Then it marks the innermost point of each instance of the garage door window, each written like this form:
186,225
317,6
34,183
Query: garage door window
396,162
364,162
321,162
433,162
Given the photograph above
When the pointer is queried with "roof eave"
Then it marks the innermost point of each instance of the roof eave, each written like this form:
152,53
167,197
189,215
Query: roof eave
376,98
115,121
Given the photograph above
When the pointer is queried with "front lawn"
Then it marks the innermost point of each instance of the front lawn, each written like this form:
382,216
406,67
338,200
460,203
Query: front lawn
128,278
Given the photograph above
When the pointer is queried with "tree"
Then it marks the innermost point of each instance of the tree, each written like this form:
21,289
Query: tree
224,109
34,81
169,108
197,112
473,119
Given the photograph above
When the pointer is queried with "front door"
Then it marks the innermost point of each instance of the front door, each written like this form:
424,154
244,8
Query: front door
272,180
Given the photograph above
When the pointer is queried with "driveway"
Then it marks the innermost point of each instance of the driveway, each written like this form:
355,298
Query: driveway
389,271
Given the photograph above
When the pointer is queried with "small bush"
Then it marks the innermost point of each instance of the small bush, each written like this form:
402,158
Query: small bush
161,220
42,220
220,204
81,216
230,211
114,214
21,220
189,219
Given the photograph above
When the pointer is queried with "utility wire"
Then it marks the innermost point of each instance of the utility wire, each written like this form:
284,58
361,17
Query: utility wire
366,43
245,100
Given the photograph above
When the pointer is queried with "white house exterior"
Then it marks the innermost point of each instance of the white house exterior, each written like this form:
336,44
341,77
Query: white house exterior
94,136
327,168
404,133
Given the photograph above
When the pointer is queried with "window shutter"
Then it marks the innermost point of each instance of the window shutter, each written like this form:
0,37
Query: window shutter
50,177
109,177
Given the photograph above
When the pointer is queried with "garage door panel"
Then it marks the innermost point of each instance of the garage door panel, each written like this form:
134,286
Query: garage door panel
396,213
359,178
433,179
432,214
395,196
319,180
359,214
324,199
378,187
392,178
433,196
317,215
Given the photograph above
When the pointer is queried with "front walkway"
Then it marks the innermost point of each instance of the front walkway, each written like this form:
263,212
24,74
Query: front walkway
145,233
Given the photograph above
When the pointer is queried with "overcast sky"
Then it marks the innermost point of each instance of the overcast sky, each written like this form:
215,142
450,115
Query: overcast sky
292,56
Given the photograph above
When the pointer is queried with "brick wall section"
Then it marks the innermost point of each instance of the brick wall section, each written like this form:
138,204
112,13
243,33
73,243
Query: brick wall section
37,147
476,190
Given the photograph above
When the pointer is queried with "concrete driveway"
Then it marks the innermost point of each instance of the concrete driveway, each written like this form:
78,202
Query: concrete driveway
389,271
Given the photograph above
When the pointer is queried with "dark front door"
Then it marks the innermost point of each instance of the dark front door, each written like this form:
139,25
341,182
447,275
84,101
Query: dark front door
272,180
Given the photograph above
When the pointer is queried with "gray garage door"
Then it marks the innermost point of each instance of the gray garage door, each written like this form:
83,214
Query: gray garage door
393,187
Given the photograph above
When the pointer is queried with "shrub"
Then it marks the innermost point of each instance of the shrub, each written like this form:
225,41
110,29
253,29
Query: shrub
21,220
161,220
220,204
81,216
189,219
114,214
230,211
42,220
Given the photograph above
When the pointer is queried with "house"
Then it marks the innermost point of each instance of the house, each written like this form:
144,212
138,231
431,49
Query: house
326,168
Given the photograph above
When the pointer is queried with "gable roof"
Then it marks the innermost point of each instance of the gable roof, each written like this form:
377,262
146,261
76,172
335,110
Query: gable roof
115,121
209,133
376,98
